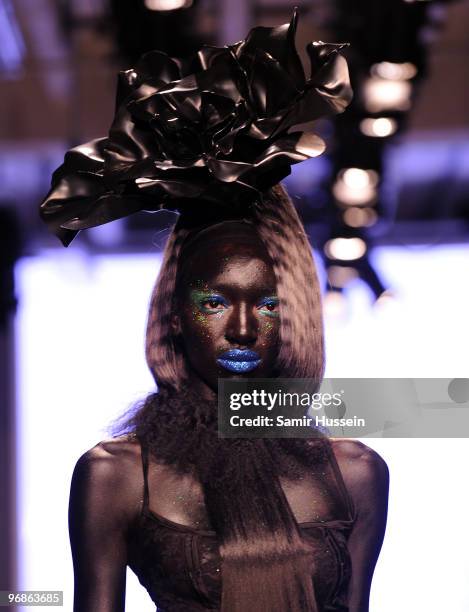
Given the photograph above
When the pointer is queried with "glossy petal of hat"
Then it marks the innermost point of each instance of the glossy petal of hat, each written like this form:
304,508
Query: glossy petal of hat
221,127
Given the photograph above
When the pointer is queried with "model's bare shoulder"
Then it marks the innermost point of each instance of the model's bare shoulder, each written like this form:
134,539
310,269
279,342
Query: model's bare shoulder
353,453
111,471
122,449
365,472
112,458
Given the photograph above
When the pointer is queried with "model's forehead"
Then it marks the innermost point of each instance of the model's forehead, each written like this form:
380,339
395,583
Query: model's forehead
229,239
232,246
230,258
226,233
229,253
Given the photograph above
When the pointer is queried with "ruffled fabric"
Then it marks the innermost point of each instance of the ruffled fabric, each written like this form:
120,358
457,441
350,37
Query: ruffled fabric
222,126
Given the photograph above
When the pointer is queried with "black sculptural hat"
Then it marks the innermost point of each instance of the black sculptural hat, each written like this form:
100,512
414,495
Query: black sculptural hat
222,126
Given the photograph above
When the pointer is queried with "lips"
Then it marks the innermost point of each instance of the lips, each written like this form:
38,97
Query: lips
239,361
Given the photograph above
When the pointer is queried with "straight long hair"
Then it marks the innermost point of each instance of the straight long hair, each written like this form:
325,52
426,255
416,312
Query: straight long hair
301,353
266,566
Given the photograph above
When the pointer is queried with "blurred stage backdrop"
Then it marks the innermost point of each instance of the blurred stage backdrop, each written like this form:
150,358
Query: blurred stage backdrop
387,211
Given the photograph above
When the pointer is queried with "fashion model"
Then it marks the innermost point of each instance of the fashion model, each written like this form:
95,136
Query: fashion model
209,523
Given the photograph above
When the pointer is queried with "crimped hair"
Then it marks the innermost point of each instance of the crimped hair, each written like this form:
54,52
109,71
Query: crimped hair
301,353
266,565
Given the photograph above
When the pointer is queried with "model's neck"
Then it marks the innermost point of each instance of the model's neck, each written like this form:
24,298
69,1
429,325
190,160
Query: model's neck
199,387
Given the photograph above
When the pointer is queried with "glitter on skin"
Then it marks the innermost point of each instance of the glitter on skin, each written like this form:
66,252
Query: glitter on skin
200,313
199,297
196,295
270,301
200,317
239,262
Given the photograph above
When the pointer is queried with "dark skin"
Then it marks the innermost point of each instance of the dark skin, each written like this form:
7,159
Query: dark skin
106,492
227,301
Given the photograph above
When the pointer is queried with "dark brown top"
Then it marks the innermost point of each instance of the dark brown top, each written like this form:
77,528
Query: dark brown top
180,566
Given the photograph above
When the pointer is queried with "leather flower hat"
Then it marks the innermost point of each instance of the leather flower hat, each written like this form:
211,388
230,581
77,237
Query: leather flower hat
221,126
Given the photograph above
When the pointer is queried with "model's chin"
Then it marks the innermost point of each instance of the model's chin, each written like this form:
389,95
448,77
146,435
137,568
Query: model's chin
257,372
206,382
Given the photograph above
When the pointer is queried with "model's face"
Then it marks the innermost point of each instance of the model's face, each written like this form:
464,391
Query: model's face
227,310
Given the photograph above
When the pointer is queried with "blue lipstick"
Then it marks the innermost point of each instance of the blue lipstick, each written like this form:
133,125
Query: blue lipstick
239,361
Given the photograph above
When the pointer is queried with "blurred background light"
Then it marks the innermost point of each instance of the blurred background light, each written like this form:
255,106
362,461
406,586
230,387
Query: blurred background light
393,71
355,186
334,305
360,217
339,276
12,47
358,178
382,127
167,5
345,249
382,94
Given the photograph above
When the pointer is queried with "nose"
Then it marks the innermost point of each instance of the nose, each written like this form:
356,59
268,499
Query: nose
242,326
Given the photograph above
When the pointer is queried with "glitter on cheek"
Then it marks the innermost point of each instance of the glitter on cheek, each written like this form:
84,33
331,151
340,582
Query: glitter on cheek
271,314
199,317
268,327
267,330
202,321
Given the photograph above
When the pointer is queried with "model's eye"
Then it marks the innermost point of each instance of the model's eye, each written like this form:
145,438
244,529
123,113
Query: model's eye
213,303
269,306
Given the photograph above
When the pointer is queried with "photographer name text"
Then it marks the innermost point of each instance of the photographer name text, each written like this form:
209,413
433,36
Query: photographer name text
305,421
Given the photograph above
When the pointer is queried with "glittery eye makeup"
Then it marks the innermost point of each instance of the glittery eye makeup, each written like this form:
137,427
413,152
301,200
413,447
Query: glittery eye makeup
269,306
209,302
